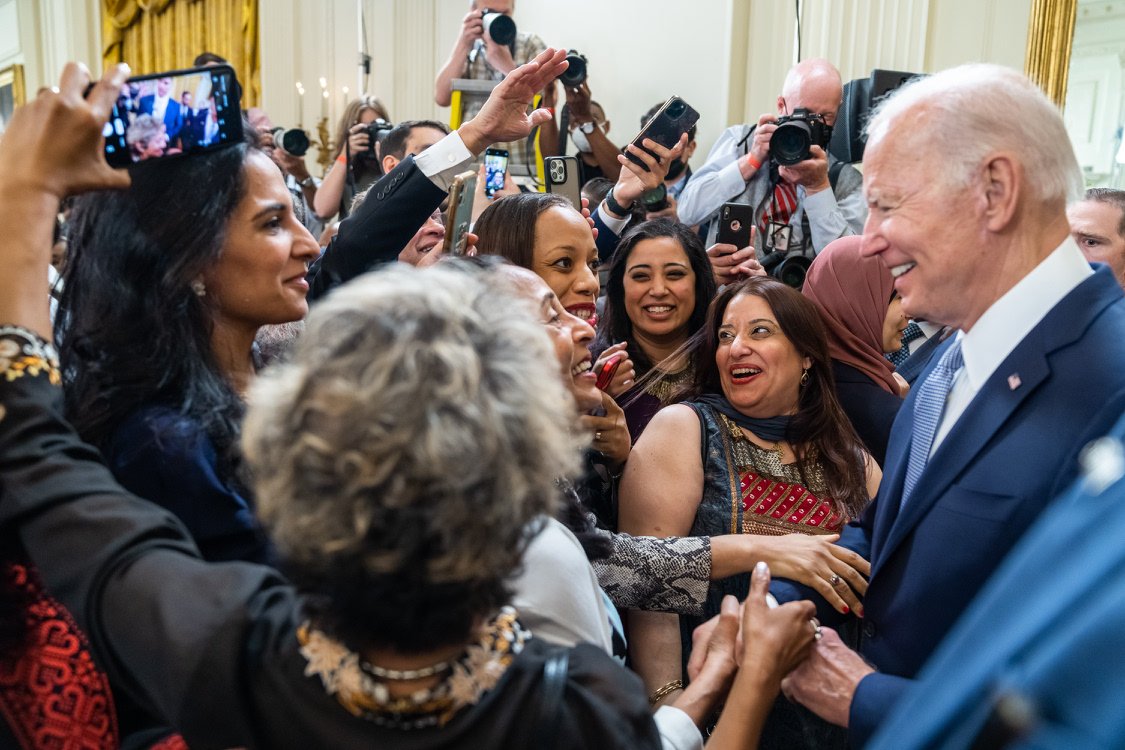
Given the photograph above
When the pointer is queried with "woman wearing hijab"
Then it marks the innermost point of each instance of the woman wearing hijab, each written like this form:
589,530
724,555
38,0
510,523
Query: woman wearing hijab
863,317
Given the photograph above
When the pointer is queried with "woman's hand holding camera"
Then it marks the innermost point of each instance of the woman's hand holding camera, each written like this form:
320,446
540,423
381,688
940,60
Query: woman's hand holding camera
359,140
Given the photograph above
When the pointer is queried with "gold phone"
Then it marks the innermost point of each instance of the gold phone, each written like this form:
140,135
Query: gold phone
459,214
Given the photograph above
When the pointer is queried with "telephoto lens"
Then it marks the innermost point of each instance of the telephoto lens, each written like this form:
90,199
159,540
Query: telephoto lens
790,143
294,142
500,28
575,73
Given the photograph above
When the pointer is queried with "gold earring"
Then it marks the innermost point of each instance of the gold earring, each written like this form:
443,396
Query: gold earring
804,377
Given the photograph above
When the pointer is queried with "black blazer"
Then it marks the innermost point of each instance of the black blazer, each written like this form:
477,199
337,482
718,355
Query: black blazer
396,206
871,410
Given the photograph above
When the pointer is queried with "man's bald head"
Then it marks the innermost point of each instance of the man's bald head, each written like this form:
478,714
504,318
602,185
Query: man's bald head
814,85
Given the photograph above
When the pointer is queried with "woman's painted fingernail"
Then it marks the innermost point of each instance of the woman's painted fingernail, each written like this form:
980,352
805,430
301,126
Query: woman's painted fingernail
847,609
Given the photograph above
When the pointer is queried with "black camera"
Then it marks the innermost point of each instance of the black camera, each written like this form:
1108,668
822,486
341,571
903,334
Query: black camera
655,199
788,268
376,131
796,133
294,142
501,29
575,73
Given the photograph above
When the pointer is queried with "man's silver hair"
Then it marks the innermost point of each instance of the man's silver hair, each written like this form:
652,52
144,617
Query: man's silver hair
965,113
417,405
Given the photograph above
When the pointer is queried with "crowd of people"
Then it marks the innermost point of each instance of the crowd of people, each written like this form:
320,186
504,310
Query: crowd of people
601,480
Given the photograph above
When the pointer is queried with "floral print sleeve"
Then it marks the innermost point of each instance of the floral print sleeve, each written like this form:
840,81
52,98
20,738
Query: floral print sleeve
23,353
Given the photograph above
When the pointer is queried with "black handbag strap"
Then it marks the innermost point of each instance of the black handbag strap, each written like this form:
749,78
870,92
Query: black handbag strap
550,699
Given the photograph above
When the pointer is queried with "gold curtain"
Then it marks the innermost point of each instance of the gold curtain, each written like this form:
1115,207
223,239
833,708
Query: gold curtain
157,35
1050,35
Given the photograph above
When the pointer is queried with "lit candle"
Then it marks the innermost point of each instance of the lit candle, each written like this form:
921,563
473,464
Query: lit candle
324,97
300,105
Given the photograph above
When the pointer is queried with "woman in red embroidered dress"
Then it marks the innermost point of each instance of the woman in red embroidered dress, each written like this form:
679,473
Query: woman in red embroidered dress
759,446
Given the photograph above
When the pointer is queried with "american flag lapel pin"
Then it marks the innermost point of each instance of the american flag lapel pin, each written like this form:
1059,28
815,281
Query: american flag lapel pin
1014,381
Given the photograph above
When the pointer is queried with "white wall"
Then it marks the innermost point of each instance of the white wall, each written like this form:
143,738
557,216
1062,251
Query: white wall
726,57
42,35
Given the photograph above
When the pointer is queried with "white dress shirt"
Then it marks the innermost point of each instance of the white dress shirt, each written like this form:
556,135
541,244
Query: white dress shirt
1006,323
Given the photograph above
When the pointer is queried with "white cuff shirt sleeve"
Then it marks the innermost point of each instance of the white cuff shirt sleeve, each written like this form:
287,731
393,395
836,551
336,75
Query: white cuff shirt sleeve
677,730
445,160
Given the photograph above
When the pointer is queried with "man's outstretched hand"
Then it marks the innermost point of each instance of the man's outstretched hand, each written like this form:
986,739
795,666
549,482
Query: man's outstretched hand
504,117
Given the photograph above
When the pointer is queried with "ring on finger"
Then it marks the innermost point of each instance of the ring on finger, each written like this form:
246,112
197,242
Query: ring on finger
816,634
598,435
834,580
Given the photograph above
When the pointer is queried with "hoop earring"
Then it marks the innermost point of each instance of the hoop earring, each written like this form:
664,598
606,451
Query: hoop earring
804,377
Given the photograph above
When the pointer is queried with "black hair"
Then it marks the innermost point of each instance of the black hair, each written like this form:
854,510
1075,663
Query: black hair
133,332
615,325
395,142
203,58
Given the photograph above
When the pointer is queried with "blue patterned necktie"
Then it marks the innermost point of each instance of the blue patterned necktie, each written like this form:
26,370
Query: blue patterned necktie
928,408
911,332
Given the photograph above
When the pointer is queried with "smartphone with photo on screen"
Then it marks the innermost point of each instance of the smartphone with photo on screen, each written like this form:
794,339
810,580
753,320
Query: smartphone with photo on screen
495,170
177,113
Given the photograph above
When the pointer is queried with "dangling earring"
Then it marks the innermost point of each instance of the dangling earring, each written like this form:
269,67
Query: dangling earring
804,377
198,287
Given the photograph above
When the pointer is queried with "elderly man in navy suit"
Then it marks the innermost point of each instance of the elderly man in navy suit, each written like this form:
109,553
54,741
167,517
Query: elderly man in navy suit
967,175
1034,662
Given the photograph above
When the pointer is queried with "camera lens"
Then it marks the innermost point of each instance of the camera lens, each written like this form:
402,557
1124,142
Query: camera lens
792,271
656,199
294,142
790,143
676,108
575,73
500,28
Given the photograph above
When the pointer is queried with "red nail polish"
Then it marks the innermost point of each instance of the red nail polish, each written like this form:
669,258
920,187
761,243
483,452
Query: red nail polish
859,613
847,610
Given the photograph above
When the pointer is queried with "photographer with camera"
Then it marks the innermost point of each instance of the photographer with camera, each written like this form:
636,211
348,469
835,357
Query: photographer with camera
802,197
586,124
488,48
287,148
356,166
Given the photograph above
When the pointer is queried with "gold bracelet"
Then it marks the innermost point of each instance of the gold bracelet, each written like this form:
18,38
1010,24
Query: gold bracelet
664,690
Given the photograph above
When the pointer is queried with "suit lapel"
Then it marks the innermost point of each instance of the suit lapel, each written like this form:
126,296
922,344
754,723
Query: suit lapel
993,405
921,357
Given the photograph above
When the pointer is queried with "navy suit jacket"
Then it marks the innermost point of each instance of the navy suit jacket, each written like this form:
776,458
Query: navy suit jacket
173,118
1046,630
1015,447
919,361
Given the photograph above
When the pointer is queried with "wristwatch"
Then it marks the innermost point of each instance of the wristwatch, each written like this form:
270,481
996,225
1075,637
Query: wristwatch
587,127
615,207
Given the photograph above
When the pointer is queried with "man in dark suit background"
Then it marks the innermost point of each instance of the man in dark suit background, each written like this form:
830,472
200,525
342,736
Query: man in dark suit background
967,176
163,106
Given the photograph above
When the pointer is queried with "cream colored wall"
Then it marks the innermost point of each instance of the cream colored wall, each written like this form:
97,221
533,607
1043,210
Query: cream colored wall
728,59
42,35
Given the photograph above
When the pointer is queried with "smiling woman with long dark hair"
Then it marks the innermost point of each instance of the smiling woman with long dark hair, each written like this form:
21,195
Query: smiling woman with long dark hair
167,286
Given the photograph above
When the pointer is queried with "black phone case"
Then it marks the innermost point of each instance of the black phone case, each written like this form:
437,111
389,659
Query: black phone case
664,128
735,221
